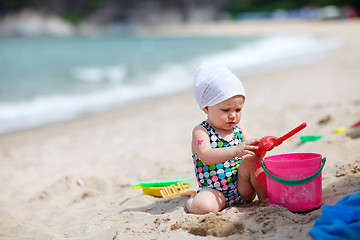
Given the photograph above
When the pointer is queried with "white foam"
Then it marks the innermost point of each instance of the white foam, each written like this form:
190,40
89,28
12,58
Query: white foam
100,74
46,109
274,51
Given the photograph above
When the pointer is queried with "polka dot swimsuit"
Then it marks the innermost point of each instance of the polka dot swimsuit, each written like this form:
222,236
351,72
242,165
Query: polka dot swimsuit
222,176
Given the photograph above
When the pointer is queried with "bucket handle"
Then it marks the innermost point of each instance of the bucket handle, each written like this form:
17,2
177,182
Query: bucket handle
294,182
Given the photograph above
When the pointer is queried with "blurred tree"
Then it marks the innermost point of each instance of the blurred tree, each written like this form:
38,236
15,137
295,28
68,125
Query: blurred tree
240,6
77,10
12,6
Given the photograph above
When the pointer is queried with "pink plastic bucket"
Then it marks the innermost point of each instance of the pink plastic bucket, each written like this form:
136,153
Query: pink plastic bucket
294,180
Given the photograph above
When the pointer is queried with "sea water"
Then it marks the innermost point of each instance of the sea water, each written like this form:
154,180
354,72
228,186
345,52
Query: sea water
45,80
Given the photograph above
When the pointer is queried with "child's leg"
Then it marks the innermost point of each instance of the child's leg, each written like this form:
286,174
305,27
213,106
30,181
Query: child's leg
207,200
251,179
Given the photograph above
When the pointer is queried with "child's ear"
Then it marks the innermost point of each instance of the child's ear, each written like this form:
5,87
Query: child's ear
206,110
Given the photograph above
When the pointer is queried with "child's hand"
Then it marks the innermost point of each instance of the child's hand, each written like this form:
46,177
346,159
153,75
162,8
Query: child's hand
247,147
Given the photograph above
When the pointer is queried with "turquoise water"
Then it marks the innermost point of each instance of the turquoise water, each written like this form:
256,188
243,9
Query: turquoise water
47,66
44,80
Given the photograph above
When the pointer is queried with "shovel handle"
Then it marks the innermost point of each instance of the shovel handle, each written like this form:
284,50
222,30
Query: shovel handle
289,134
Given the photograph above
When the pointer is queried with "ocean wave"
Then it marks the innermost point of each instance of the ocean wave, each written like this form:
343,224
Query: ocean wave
47,109
273,52
263,55
100,74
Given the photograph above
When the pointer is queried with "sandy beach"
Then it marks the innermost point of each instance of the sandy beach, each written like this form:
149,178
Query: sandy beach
71,180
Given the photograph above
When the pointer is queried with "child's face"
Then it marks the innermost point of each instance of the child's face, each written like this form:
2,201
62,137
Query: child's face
227,114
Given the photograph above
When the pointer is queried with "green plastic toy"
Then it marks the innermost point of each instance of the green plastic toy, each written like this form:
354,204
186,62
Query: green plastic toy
309,138
160,183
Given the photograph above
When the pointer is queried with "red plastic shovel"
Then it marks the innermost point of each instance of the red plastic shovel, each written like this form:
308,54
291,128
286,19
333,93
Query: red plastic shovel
269,142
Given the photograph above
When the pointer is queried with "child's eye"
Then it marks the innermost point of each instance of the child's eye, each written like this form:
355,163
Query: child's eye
238,110
226,110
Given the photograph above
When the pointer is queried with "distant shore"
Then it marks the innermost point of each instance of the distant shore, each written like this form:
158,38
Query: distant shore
71,179
261,27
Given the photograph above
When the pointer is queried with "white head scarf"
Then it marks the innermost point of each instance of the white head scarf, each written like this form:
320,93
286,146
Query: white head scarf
214,84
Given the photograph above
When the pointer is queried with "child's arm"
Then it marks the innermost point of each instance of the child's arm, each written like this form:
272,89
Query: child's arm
209,156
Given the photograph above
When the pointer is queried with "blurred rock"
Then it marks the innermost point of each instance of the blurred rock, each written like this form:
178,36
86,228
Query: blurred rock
31,23
324,120
354,132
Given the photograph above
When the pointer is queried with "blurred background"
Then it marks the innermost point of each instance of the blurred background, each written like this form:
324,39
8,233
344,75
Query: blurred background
62,17
60,59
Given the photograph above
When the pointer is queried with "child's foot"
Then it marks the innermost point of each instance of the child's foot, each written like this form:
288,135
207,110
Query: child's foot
189,202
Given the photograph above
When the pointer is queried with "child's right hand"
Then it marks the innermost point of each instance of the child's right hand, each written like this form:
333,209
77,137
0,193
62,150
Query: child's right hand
247,147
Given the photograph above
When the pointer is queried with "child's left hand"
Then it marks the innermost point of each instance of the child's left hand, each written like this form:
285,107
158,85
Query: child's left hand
247,147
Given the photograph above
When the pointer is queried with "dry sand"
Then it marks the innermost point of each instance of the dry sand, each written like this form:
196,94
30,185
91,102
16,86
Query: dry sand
71,180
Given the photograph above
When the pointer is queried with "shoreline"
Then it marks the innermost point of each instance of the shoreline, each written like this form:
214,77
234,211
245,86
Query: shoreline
83,167
236,28
16,115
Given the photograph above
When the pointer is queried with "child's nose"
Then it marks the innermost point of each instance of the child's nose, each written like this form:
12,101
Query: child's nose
232,115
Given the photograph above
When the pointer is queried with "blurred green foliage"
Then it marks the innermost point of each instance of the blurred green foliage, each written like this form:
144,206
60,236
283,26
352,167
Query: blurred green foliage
77,10
77,14
14,5
71,10
240,6
72,17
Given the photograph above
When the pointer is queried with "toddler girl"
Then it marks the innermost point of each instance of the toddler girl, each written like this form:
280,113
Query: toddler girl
227,170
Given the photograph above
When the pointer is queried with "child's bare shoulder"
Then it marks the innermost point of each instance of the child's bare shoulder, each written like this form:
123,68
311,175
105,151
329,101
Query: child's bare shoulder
198,129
